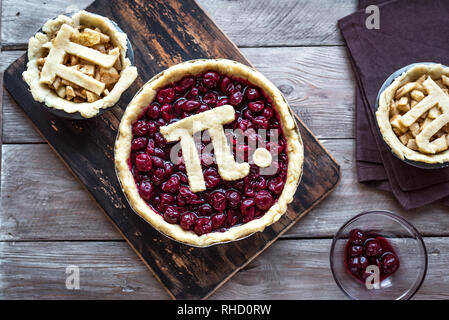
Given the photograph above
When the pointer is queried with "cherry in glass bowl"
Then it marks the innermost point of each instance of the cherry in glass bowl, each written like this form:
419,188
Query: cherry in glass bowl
404,242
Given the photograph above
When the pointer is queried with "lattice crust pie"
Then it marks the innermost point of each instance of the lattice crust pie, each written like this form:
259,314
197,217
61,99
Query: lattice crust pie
79,64
413,114
182,164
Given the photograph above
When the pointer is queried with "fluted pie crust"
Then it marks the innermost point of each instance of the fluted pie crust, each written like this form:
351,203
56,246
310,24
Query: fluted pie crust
147,94
435,71
38,47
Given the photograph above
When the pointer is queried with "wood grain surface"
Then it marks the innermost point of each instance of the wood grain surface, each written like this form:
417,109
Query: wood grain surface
297,72
109,270
62,210
87,147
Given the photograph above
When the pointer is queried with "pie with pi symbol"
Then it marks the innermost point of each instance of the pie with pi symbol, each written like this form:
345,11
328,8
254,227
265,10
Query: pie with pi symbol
208,152
79,64
413,114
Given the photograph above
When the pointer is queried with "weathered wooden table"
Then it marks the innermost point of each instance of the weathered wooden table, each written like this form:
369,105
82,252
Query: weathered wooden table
47,224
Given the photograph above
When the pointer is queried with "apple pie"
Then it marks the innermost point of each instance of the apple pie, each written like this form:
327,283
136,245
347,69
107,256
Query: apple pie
183,166
79,64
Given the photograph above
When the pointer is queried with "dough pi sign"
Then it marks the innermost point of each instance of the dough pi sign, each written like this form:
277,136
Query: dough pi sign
212,121
436,97
61,45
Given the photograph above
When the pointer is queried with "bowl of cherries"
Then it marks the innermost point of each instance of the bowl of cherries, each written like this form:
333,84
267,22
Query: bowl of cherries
378,255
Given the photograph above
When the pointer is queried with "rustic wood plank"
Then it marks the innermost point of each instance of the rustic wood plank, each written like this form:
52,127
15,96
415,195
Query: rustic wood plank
315,81
62,210
37,270
59,205
16,126
279,23
290,269
87,146
259,23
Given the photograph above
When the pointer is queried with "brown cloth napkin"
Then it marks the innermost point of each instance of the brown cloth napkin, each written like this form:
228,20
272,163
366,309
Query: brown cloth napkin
410,31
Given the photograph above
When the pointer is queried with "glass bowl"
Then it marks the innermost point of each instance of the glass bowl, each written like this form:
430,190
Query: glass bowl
407,244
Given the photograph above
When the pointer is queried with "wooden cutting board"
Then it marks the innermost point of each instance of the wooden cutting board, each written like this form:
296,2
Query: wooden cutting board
164,33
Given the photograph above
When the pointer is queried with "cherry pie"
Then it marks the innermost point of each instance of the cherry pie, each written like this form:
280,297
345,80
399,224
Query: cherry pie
79,64
182,161
413,114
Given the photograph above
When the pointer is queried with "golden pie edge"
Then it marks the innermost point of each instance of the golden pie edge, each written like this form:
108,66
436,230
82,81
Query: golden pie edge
44,94
147,94
383,114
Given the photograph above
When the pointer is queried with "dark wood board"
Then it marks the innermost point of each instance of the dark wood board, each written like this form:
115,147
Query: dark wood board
164,33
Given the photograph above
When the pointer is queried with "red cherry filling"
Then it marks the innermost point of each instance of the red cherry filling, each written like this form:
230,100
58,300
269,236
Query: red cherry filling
364,249
153,111
166,95
211,176
247,210
172,184
210,79
163,184
357,237
233,198
139,143
202,226
252,93
373,248
171,214
217,199
355,251
263,200
146,190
